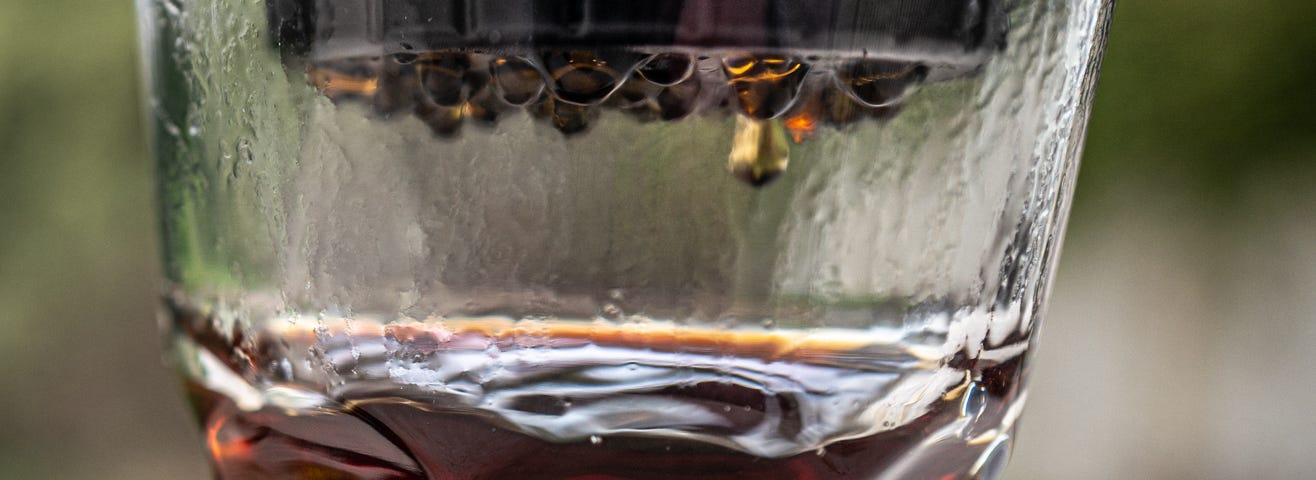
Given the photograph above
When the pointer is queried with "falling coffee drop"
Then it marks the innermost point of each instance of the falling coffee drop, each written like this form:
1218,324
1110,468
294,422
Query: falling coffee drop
760,151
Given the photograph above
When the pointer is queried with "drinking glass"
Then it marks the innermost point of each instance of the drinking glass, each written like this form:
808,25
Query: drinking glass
583,239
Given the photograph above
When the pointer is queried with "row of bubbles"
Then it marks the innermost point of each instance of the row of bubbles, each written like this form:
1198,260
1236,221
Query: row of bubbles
777,98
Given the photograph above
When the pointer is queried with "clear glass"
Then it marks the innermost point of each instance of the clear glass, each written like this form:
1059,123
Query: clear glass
591,240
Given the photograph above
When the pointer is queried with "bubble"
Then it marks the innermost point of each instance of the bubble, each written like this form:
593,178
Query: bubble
516,80
765,86
595,440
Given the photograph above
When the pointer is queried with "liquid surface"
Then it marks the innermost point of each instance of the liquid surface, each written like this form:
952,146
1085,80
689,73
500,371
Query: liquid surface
310,396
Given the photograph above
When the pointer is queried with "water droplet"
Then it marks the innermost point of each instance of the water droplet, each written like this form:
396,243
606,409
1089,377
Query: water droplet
516,80
595,439
765,86
993,460
667,69
974,402
244,152
877,83
759,151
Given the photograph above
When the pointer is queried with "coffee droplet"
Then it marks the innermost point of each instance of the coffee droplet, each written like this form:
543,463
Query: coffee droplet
441,77
516,80
677,101
443,121
760,151
804,118
839,108
569,118
634,93
396,90
344,79
877,83
667,69
585,77
483,105
764,85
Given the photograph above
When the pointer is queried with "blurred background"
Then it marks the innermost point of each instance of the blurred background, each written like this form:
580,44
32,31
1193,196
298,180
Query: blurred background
1181,330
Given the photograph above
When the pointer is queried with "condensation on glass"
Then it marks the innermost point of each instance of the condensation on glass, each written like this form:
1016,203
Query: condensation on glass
707,239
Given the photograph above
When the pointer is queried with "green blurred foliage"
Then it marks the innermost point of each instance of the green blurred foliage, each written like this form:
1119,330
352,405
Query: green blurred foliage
1196,98
82,389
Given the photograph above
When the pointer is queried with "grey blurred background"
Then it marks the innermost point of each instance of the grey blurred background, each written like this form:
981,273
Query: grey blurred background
1181,331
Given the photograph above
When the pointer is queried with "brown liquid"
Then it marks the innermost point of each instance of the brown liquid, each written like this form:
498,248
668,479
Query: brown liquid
396,438
398,433
391,438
